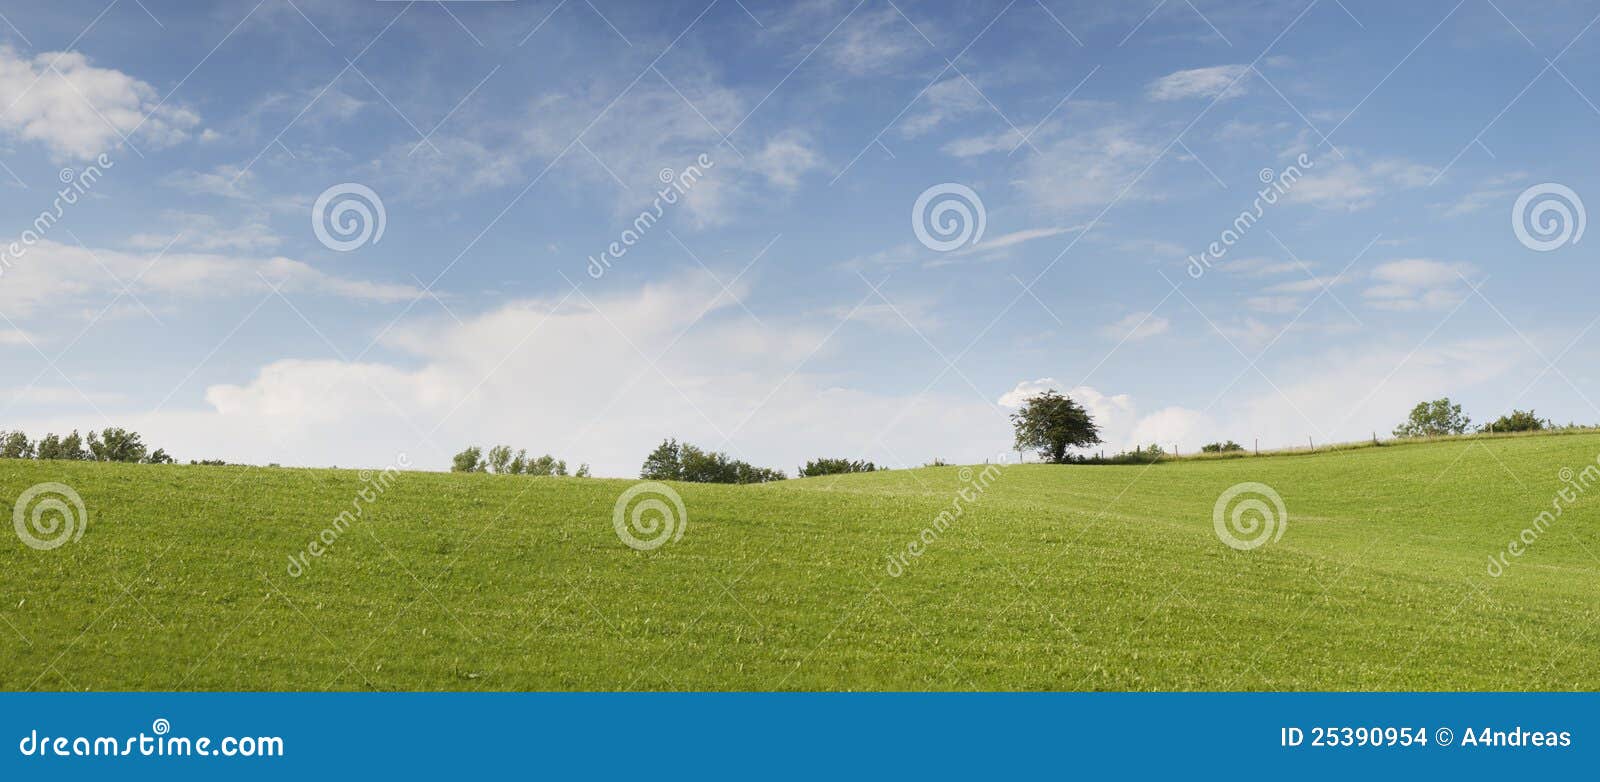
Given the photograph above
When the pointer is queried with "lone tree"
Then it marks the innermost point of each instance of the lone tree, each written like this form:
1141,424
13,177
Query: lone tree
1051,423
1430,419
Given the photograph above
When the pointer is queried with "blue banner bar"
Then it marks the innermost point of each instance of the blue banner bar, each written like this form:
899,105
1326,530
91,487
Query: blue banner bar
61,736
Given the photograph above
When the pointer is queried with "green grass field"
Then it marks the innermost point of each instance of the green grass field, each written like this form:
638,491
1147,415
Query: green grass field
1056,578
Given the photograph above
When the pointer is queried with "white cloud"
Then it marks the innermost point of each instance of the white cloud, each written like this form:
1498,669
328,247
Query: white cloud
999,246
1258,267
1116,415
1376,383
905,315
1085,171
1494,190
1026,390
562,378
1003,140
872,41
1417,284
1172,427
50,273
786,158
1251,334
1278,305
78,110
1136,326
206,233
1347,186
227,181
940,103
1226,81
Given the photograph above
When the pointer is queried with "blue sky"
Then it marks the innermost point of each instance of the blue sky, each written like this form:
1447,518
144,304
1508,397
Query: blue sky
783,306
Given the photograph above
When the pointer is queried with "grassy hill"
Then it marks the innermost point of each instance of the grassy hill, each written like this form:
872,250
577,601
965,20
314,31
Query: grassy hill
1084,577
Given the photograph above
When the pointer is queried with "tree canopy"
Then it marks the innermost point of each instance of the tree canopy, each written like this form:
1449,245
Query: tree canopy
1051,423
1431,419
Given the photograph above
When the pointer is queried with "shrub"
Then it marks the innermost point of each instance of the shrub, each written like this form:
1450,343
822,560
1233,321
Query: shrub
665,463
116,445
499,458
545,465
16,446
469,460
672,461
69,448
818,467
1227,447
1518,421
503,461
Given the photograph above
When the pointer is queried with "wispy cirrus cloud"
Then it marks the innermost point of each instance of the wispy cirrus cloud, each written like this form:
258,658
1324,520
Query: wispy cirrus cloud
1218,81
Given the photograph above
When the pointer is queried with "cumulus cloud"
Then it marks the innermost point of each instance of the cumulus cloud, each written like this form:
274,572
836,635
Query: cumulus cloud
1116,415
1218,81
78,110
592,378
1172,427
